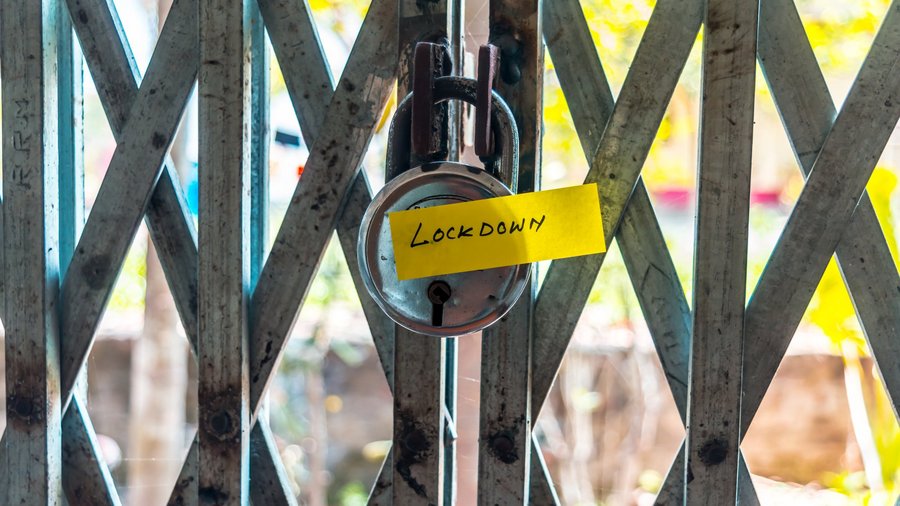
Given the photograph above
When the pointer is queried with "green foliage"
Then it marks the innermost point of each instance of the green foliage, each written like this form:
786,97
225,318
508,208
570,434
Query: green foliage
131,285
353,494
841,32
333,282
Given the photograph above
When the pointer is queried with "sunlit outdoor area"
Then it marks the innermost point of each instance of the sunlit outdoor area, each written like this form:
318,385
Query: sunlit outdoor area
826,433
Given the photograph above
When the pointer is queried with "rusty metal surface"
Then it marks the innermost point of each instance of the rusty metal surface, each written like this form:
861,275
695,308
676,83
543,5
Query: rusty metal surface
488,61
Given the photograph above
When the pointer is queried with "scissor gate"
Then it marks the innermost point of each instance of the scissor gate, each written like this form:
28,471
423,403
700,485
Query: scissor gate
238,301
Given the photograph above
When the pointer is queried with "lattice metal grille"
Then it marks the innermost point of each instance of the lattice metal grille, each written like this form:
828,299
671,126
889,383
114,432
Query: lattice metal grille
238,310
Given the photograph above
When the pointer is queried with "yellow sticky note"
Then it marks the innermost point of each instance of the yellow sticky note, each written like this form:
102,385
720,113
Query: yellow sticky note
497,232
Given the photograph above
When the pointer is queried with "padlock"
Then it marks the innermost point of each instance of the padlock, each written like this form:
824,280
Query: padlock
453,304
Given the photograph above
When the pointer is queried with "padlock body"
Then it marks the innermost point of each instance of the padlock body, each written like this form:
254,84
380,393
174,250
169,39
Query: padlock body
476,299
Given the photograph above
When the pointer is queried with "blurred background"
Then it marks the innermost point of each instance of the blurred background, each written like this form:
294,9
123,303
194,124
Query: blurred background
826,433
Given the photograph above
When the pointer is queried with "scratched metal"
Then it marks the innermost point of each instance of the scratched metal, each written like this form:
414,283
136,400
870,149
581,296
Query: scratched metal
333,164
616,165
720,257
224,254
808,112
126,189
115,75
31,256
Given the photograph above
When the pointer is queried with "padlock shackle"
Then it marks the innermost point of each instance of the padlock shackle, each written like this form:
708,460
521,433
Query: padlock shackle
503,125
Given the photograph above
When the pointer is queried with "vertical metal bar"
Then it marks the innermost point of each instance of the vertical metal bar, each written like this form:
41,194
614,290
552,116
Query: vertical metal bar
268,484
420,371
455,16
28,52
720,260
259,143
70,75
504,446
419,423
71,140
224,253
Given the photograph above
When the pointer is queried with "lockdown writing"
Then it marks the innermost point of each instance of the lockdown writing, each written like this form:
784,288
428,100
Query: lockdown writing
497,232
486,229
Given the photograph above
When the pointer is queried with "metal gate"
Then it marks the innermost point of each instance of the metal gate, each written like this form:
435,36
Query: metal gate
238,302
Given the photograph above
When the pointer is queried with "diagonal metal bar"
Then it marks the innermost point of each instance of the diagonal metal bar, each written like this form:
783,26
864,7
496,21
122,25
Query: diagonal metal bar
542,491
616,164
114,72
823,211
333,164
808,112
85,479
171,226
646,256
381,493
269,479
310,86
186,490
126,189
658,291
579,70
643,248
84,466
302,60
380,326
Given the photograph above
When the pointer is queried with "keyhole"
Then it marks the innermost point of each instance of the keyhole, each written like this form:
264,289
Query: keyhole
438,294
